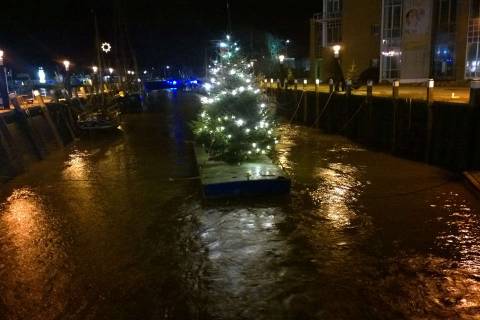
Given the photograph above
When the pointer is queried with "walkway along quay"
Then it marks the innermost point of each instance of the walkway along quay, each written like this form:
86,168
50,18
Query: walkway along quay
441,133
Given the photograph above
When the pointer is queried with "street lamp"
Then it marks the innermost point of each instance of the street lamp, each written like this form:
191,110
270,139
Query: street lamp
95,69
42,77
66,63
336,50
110,70
281,58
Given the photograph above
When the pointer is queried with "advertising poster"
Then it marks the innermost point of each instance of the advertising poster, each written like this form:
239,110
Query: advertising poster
416,39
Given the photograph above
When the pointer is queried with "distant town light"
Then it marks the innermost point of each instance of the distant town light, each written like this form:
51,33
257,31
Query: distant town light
95,69
66,64
281,58
42,77
317,81
1,57
145,71
287,41
168,67
431,83
305,81
110,70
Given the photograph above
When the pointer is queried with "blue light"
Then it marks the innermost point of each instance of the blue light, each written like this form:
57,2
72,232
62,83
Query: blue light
174,82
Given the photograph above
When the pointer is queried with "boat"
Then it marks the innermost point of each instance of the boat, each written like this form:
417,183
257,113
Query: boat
99,120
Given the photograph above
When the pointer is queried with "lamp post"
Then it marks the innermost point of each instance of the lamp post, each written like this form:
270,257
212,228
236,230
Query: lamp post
338,73
66,64
95,79
3,82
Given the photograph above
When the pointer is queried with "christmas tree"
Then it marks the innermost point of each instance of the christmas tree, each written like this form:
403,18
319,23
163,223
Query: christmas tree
235,122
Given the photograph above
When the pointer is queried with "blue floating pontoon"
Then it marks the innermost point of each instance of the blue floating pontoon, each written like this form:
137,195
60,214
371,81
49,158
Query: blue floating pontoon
248,179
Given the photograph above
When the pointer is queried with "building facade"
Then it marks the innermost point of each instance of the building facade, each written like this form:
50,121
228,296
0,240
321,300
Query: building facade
410,40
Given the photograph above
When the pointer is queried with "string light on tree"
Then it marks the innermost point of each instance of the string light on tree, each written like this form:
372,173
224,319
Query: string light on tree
235,124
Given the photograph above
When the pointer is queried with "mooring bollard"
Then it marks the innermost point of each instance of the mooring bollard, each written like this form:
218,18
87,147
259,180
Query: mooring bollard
430,86
330,85
348,84
475,93
395,89
4,84
428,149
369,89
317,103
305,103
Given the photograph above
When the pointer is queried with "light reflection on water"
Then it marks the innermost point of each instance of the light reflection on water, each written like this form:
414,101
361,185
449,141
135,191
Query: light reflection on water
33,263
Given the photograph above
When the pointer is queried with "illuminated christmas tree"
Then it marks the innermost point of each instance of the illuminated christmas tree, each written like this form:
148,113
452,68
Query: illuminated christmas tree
235,123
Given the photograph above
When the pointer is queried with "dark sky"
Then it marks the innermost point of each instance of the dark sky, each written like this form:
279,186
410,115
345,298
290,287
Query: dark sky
163,32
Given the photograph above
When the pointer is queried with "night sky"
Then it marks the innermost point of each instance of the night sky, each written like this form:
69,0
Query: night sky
176,32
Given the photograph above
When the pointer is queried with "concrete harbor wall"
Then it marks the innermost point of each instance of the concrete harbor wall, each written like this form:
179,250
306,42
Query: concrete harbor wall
440,133
31,135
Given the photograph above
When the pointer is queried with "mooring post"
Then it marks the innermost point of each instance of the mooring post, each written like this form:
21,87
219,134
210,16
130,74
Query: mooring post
4,84
369,90
330,85
317,103
305,102
395,92
428,150
473,154
348,84
369,101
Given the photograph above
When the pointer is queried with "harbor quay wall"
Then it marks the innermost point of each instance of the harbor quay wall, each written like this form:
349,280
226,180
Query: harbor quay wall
440,133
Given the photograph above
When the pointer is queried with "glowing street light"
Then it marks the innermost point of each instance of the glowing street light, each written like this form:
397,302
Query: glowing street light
66,64
95,69
336,50
110,70
42,77
281,58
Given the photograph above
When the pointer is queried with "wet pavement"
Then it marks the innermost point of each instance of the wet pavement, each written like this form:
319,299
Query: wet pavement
114,227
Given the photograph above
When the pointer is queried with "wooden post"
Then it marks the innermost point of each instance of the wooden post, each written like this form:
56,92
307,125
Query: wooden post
4,85
330,85
369,101
428,149
305,102
317,103
395,91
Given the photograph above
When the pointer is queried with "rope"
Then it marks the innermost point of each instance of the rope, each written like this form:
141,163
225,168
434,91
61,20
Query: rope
324,109
298,107
353,116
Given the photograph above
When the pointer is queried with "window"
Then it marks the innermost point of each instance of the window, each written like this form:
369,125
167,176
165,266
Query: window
334,32
392,32
473,41
334,8
444,41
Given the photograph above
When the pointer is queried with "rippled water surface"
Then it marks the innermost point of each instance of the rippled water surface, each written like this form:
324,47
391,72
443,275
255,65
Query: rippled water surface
113,227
